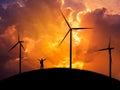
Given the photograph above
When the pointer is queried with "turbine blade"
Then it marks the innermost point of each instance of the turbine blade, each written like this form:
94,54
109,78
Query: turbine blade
18,36
103,49
38,59
22,46
81,28
13,46
65,19
109,42
64,38
111,48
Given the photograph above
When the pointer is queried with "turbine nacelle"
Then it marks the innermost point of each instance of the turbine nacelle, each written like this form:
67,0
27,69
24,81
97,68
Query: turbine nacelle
21,41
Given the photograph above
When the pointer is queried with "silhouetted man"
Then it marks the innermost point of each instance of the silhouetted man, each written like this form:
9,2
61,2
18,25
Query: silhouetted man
42,63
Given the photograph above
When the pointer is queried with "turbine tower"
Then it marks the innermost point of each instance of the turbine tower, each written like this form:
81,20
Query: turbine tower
109,48
19,42
69,31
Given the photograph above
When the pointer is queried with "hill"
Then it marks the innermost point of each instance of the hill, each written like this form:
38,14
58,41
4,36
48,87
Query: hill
61,77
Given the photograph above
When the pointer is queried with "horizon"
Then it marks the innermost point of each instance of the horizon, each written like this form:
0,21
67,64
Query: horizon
54,70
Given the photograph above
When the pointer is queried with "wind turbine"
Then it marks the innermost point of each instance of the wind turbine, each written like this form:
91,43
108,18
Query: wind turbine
19,42
109,48
69,31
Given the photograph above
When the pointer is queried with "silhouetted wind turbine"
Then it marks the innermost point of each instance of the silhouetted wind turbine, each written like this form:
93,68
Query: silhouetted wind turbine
109,48
70,31
20,51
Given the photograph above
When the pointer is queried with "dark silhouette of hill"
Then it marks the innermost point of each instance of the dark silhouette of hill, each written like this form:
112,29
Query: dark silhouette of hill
61,78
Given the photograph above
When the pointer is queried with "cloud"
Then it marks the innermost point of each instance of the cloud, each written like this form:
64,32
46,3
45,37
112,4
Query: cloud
111,5
9,16
6,1
75,5
105,25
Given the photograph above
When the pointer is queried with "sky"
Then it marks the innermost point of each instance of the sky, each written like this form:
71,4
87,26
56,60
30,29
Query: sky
42,27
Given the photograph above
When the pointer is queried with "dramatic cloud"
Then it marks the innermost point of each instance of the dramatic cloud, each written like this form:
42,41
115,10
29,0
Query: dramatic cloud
112,5
6,1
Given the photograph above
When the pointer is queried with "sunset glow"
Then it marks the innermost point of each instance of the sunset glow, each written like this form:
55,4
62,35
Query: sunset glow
65,64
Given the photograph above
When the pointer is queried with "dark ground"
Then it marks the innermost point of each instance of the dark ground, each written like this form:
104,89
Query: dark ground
60,78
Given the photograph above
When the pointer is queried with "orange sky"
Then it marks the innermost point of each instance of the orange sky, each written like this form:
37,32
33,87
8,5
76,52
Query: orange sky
42,27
